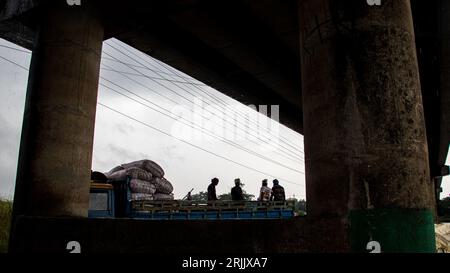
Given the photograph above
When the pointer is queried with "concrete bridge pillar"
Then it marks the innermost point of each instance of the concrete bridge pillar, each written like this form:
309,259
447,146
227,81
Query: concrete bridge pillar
367,171
58,128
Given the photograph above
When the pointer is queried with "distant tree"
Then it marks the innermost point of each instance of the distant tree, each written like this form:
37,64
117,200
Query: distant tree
300,205
5,221
445,202
201,196
444,206
227,196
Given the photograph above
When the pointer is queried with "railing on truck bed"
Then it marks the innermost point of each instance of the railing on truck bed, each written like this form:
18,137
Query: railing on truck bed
192,210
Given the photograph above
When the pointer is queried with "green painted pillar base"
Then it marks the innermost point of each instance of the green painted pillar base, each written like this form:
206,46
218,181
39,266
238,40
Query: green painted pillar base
392,231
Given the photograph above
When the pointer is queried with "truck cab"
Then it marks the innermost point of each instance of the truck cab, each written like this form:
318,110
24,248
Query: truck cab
101,201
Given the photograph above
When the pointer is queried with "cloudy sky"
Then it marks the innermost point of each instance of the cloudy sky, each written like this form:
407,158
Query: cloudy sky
151,111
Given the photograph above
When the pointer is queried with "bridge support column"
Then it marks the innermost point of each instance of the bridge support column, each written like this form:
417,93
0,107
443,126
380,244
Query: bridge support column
367,171
58,128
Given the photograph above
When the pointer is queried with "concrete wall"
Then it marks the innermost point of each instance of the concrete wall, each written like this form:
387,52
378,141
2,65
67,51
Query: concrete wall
41,235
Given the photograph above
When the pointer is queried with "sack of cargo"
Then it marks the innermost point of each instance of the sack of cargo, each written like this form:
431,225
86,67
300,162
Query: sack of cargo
141,197
115,169
163,197
132,172
98,177
139,174
147,165
141,186
118,175
162,185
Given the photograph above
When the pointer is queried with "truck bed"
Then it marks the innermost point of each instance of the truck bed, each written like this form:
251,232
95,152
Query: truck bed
198,210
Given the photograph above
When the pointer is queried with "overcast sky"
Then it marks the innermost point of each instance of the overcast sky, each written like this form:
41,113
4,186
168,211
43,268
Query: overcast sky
119,139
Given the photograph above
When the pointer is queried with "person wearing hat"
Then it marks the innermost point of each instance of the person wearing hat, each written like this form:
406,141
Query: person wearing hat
236,191
264,192
212,189
277,192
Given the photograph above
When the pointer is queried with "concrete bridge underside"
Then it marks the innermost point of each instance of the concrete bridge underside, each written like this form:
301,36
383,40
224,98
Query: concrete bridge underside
366,86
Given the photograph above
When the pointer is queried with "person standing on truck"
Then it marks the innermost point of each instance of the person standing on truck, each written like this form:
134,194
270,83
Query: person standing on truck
212,189
264,192
236,191
277,192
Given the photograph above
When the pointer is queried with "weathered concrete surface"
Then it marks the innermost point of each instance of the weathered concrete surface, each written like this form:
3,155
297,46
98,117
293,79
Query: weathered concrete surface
44,235
58,128
365,139
10,27
297,235
12,8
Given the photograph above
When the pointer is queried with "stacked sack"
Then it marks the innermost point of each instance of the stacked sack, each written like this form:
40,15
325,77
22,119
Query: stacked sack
147,180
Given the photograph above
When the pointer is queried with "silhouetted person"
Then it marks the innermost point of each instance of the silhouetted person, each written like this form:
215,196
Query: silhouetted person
277,192
236,191
264,192
212,189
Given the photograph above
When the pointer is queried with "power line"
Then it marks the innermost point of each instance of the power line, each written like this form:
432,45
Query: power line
139,75
187,80
222,102
146,87
15,49
14,63
193,145
201,90
127,64
170,99
115,84
176,93
201,129
174,72
216,98
230,143
287,152
154,128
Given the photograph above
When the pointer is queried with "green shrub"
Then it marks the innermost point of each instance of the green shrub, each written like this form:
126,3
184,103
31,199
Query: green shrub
5,221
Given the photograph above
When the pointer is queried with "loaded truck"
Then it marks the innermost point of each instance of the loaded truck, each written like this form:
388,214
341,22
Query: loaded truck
113,200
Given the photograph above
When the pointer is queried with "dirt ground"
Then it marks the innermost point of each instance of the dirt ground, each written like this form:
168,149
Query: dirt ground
443,238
